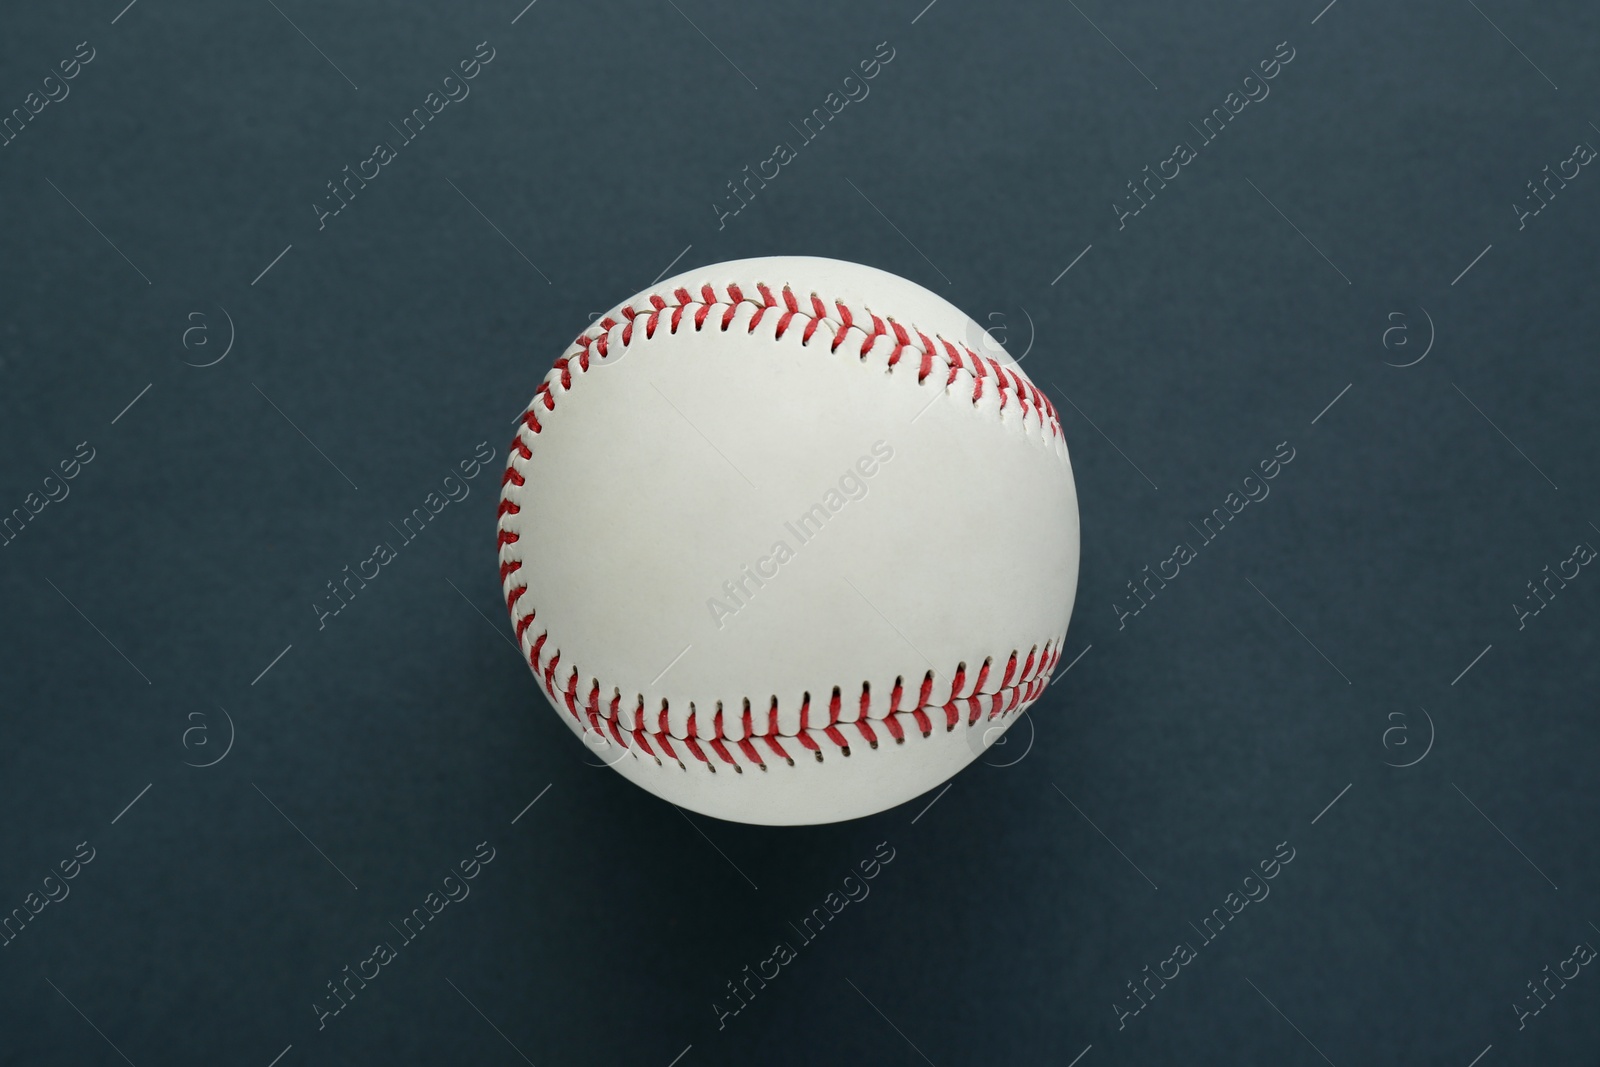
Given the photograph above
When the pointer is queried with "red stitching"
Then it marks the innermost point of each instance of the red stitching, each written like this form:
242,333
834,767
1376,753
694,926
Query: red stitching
956,360
1019,685
1006,700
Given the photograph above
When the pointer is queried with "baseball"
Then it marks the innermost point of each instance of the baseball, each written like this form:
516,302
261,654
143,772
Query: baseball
784,544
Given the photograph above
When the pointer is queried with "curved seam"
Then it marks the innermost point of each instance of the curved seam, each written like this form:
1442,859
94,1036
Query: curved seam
1008,700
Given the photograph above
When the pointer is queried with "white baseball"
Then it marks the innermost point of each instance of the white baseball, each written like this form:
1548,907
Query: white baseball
781,546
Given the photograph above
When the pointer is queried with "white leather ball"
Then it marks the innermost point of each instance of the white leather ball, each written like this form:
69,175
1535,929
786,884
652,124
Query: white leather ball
784,543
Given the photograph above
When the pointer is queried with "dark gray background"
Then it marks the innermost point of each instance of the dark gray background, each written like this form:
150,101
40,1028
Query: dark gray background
1176,753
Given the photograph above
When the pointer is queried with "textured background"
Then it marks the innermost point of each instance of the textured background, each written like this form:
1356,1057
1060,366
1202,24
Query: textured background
1361,617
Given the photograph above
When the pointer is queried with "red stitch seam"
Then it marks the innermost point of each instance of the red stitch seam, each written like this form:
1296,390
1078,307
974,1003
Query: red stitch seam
1007,700
597,338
